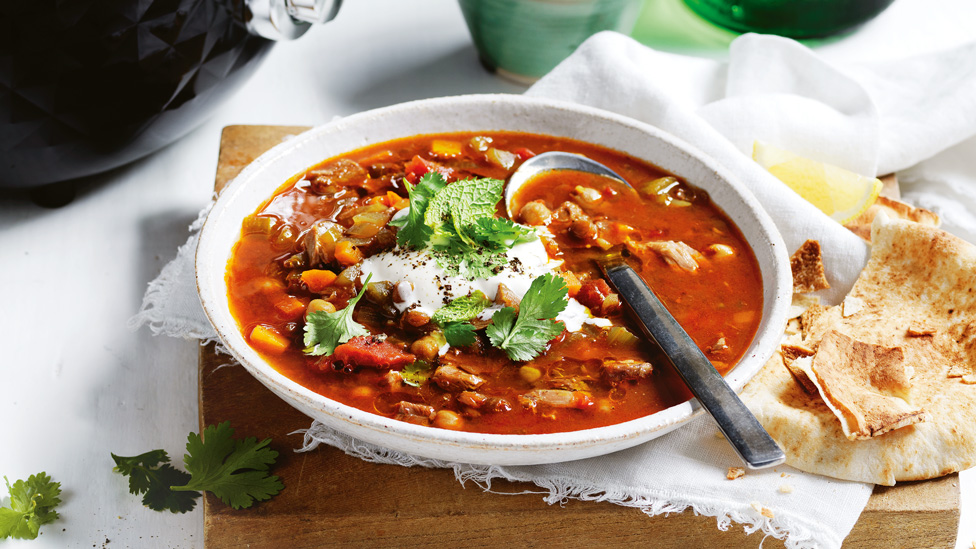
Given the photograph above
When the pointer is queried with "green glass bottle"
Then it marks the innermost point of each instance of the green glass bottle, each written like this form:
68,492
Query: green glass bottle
793,18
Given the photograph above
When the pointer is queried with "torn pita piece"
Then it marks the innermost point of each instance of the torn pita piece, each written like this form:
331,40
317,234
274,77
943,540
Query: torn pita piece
808,269
895,209
866,386
917,294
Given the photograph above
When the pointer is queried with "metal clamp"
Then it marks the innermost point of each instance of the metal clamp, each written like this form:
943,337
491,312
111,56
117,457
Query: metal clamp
288,19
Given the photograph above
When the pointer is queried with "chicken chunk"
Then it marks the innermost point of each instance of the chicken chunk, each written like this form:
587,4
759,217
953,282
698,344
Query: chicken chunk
675,253
453,379
627,369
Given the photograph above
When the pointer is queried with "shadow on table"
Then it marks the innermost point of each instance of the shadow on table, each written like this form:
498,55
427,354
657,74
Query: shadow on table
455,73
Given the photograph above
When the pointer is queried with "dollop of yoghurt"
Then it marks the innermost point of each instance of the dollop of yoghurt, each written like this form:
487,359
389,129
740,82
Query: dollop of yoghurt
424,285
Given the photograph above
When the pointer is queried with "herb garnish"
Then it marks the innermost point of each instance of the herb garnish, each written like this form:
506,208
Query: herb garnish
234,470
458,222
32,504
453,316
523,335
325,331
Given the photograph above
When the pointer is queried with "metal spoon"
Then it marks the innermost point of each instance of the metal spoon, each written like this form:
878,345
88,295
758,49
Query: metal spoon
747,436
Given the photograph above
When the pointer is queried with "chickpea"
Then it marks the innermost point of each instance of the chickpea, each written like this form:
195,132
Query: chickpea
446,419
317,305
426,348
416,318
535,213
530,373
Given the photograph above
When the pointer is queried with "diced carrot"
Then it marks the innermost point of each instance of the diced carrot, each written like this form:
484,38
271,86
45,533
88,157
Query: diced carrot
573,283
319,279
347,254
523,153
445,149
382,200
403,203
392,198
269,340
290,307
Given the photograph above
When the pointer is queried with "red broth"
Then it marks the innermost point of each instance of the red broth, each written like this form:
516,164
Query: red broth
687,250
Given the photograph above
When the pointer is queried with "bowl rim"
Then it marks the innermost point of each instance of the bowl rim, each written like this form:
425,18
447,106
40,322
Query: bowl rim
212,296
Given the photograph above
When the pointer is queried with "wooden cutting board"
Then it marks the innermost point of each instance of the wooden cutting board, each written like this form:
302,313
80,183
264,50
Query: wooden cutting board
333,499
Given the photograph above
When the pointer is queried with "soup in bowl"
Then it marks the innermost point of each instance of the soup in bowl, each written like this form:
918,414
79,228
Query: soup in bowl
367,272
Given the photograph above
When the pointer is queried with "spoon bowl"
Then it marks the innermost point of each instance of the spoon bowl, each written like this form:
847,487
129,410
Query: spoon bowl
548,161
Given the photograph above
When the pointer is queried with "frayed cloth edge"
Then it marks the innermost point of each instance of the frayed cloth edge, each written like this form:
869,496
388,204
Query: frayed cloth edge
560,489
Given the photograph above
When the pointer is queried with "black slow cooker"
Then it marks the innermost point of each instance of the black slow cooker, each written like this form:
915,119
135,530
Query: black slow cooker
88,85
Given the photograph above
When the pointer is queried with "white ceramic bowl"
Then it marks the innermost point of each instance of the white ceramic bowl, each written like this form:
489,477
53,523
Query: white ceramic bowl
485,112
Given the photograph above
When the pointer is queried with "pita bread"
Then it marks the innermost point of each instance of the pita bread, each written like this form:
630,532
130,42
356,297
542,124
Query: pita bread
917,276
808,268
895,209
865,385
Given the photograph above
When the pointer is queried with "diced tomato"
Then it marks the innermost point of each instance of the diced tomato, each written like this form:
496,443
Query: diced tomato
417,167
523,153
584,401
371,352
592,293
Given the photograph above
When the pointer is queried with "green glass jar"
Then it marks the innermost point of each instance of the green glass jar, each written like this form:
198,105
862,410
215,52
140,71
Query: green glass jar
793,18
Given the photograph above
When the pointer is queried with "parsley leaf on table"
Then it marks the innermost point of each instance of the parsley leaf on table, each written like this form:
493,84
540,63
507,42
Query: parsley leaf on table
234,470
414,232
523,335
325,331
151,474
32,504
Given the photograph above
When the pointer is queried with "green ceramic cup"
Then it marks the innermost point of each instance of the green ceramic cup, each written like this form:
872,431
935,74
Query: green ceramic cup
524,39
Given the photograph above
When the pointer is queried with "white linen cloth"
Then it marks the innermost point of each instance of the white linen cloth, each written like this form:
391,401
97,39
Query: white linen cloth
870,119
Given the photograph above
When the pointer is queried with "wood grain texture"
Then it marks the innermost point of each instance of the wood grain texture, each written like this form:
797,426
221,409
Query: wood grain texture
332,499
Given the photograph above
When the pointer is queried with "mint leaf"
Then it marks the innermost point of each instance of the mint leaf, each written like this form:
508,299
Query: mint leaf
325,331
32,504
151,474
414,232
459,205
524,335
236,471
459,334
462,308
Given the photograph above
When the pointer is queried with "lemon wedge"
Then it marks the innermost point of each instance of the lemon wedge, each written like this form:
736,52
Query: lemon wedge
841,194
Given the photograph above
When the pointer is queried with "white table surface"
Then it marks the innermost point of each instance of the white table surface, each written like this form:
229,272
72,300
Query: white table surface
78,384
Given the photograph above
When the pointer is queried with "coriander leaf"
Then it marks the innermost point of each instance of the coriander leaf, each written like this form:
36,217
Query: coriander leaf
32,504
499,234
236,471
545,298
462,308
525,334
416,374
325,331
414,231
459,334
151,474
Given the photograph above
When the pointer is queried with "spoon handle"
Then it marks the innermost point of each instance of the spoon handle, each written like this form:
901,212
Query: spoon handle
753,444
